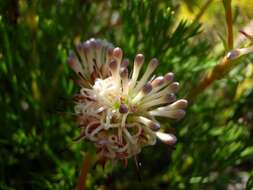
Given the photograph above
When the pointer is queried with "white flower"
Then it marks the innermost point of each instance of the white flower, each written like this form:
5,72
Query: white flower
117,110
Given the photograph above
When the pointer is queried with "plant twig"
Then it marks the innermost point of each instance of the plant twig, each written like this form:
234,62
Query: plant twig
225,65
229,21
84,172
219,70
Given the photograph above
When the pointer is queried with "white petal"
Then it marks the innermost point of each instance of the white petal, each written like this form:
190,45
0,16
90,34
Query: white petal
169,139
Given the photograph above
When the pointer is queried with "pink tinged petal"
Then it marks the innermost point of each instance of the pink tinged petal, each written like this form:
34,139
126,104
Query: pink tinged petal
117,53
172,88
105,67
173,114
138,62
123,124
84,61
154,126
150,69
94,59
179,104
147,88
80,82
88,52
99,54
159,81
169,77
124,73
124,63
124,78
168,139
113,65
74,63
174,110
168,98
92,43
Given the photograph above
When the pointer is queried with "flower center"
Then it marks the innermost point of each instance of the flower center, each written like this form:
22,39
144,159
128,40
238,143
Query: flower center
110,94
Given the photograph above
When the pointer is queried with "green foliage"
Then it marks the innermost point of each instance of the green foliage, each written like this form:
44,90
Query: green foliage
37,125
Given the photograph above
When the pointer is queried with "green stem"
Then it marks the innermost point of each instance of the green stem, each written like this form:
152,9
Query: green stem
229,21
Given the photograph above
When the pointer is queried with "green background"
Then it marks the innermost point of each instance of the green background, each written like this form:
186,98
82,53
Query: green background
37,124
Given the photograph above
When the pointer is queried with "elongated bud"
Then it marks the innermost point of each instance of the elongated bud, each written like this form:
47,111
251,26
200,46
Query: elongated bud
138,62
113,65
173,114
158,82
109,52
147,88
79,48
74,64
177,114
92,43
170,98
139,59
169,77
124,73
233,55
153,63
150,69
124,78
166,99
98,44
155,126
117,53
86,46
174,87
179,104
125,63
151,124
168,139
105,67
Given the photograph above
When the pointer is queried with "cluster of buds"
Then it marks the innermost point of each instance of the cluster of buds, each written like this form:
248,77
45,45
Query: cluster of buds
116,109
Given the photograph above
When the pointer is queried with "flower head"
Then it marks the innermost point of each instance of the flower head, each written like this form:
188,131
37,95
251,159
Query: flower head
117,109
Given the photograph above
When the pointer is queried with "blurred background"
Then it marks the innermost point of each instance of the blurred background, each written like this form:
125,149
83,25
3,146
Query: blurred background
37,125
